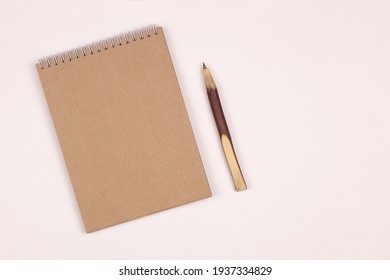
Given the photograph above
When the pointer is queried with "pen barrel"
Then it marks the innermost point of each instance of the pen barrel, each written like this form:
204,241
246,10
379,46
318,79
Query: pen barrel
226,140
218,114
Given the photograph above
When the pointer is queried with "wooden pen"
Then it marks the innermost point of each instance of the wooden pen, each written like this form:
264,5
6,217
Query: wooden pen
223,130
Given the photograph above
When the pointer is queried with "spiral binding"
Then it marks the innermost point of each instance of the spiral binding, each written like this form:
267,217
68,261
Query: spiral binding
98,47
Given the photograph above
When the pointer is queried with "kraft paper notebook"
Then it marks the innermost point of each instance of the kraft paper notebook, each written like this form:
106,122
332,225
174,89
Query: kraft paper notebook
123,128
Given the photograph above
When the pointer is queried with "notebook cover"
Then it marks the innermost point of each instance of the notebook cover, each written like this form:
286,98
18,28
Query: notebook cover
123,129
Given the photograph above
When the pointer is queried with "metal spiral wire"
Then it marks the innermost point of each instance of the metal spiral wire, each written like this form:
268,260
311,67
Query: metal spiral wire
98,47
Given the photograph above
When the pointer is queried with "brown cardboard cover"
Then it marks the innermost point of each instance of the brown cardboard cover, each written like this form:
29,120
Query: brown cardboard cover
124,132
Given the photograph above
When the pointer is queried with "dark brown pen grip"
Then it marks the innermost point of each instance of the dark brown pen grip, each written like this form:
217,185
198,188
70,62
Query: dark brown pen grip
216,108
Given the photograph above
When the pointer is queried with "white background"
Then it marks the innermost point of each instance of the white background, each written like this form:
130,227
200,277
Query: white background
305,89
109,269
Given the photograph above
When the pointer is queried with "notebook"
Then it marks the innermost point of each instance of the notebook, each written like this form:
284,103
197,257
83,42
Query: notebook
123,128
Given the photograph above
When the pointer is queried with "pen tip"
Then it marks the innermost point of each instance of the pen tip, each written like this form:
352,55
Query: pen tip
204,66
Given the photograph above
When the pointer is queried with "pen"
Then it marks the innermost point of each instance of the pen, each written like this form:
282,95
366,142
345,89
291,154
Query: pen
223,130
